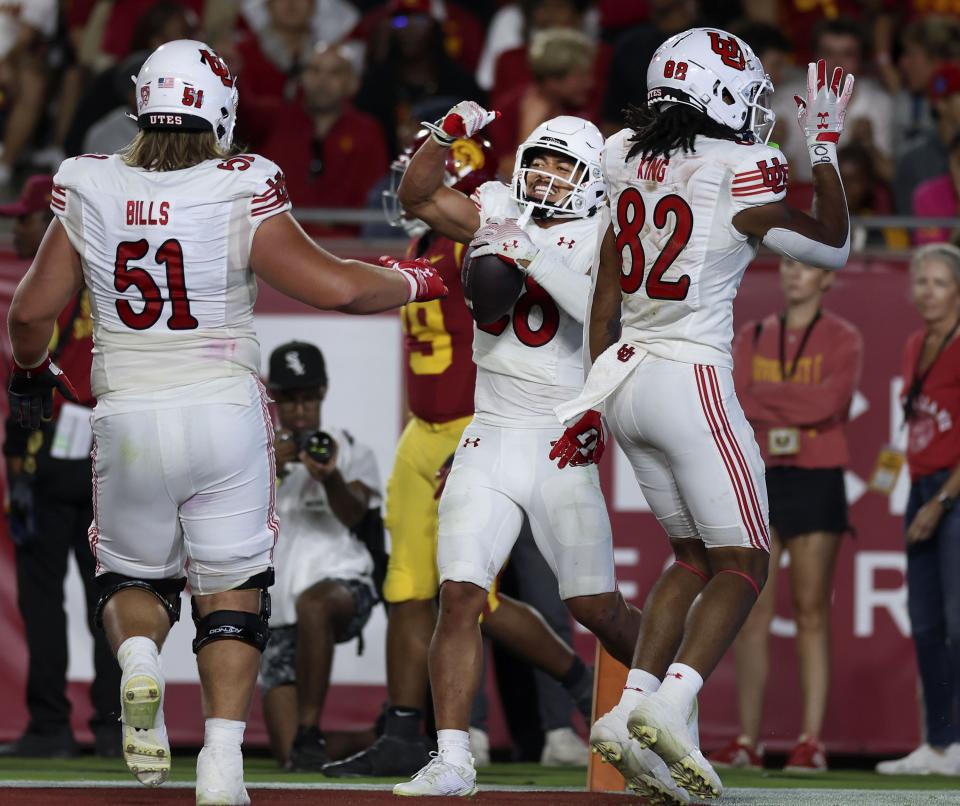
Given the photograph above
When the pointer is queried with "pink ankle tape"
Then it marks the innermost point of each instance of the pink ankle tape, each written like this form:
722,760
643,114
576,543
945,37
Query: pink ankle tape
693,570
753,584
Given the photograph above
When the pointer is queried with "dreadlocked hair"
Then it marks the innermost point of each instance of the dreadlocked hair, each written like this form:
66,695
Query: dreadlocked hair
659,132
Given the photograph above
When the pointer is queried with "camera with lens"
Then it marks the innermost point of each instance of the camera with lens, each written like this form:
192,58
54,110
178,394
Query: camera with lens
318,445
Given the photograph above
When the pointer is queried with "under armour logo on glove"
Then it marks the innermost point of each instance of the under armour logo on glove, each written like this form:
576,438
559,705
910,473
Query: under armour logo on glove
31,392
822,112
582,443
505,239
464,119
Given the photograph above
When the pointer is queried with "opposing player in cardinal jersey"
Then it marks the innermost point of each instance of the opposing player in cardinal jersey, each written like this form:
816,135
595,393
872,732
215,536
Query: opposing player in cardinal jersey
167,237
694,190
527,362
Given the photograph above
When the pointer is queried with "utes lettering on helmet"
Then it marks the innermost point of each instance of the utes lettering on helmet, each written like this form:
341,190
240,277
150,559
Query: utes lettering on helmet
774,175
728,50
217,66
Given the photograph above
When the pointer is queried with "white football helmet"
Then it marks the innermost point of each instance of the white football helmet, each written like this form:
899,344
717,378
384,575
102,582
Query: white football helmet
578,139
184,85
717,73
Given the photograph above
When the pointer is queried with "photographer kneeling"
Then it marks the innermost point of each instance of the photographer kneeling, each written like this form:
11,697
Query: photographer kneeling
328,494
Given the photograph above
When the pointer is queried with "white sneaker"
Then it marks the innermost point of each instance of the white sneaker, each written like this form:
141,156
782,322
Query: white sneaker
146,748
563,748
642,769
923,761
439,778
220,777
479,747
657,724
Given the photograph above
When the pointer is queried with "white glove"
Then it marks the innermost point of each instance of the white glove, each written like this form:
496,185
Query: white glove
506,240
821,114
463,120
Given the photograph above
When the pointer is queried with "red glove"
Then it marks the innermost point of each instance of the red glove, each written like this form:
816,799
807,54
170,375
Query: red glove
582,443
31,392
425,281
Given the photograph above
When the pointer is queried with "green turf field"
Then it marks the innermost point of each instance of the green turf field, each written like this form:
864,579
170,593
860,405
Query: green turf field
264,771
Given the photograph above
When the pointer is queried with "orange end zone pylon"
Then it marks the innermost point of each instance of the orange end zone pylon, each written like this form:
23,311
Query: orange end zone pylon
609,678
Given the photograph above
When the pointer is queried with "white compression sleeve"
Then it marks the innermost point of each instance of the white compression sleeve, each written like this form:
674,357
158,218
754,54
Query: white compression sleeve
571,291
806,250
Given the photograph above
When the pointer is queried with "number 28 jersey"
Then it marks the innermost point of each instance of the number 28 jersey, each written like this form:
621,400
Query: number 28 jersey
166,258
682,259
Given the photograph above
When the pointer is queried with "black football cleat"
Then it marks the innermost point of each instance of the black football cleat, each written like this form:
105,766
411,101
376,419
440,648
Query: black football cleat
309,751
387,756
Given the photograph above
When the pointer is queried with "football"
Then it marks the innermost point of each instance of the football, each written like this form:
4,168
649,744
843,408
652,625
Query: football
491,285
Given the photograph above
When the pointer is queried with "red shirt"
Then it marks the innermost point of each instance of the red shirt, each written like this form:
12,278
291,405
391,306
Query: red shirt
123,19
349,161
933,433
438,340
816,398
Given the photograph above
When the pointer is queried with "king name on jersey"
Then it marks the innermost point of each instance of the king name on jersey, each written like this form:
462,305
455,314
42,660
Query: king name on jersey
652,169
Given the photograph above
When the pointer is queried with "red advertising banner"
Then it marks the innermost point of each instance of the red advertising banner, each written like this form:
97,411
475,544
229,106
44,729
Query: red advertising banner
873,706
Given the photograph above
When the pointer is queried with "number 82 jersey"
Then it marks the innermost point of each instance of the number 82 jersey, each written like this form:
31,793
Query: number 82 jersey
682,259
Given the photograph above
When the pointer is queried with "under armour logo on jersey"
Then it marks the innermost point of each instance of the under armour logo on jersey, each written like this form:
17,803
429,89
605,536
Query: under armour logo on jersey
774,175
626,352
728,50
678,675
822,120
473,443
564,242
294,364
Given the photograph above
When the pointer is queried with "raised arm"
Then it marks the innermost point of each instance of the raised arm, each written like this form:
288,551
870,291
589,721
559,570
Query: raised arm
823,238
422,192
605,311
288,260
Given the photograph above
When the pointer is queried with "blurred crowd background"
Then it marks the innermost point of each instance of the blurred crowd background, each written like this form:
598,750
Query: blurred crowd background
333,90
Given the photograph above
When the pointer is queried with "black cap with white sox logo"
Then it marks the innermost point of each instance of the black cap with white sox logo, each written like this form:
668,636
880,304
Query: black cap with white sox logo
296,365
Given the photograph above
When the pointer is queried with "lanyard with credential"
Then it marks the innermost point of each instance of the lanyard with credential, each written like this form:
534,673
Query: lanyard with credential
786,376
919,379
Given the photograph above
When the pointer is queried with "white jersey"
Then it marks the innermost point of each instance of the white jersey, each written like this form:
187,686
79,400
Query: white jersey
166,258
314,544
682,258
531,359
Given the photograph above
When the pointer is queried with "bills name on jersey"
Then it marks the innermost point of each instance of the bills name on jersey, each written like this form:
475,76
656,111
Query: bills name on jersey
166,255
682,259
531,359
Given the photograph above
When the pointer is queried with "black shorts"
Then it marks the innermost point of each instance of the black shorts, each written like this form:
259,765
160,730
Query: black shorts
804,500
278,663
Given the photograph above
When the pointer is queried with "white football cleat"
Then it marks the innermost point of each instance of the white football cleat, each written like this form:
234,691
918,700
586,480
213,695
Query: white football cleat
479,747
146,748
642,769
220,777
563,748
439,778
922,761
659,725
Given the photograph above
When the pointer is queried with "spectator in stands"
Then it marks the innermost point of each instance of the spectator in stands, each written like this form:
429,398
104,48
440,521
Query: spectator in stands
331,153
929,158
931,408
324,590
938,197
415,66
514,25
119,126
928,42
332,20
50,486
26,30
869,120
561,62
867,196
627,83
795,374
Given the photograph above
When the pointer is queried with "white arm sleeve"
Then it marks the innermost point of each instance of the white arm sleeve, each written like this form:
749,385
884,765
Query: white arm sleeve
570,290
806,250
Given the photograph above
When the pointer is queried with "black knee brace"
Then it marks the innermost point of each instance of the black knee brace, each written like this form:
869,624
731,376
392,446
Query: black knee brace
237,625
166,590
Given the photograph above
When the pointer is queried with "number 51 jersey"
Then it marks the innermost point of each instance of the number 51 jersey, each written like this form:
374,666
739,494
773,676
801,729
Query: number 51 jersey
681,257
166,258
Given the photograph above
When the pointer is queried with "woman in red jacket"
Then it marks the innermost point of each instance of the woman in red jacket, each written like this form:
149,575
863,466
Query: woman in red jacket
795,375
931,407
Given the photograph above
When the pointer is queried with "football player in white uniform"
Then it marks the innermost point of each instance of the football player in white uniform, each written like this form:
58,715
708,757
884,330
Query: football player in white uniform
694,190
528,360
168,237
